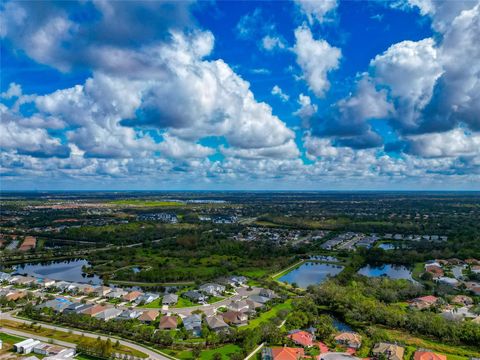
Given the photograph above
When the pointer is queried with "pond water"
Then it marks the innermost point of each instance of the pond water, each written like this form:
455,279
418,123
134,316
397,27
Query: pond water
69,270
311,273
391,271
386,246
341,326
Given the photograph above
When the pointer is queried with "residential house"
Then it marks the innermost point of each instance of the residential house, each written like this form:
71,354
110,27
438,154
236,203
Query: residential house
301,337
448,281
132,295
473,287
233,280
48,283
58,304
170,299
102,290
462,300
389,351
337,356
216,323
62,285
193,324
349,339
116,294
148,316
94,310
240,306
259,299
436,271
428,355
270,294
15,295
282,353
146,298
5,277
85,289
29,243
168,323
195,296
129,315
423,302
76,307
235,318
108,314
212,289
475,269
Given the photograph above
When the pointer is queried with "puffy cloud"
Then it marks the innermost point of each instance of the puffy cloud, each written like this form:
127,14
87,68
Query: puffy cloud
277,91
316,10
14,91
456,96
410,70
32,141
452,143
48,33
176,148
306,111
349,120
316,58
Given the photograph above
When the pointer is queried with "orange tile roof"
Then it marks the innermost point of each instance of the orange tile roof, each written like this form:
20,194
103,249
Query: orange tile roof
132,295
149,315
168,322
428,355
302,338
287,353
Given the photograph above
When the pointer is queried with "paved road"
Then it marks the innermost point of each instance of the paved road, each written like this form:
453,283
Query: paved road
152,354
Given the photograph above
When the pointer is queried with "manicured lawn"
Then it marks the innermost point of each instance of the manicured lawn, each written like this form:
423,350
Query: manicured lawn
11,339
182,302
154,304
225,351
287,305
213,299
86,357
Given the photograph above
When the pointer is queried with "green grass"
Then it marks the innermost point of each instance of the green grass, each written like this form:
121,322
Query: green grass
11,339
155,304
183,302
225,351
214,299
264,317
146,203
86,357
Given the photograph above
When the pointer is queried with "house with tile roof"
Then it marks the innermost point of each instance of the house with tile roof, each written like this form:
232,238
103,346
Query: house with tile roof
168,323
428,355
282,353
301,337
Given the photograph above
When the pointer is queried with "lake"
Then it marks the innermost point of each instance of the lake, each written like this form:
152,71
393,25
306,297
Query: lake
69,270
391,271
386,246
311,273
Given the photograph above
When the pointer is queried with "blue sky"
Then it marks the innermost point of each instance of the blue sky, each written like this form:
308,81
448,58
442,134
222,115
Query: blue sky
240,95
